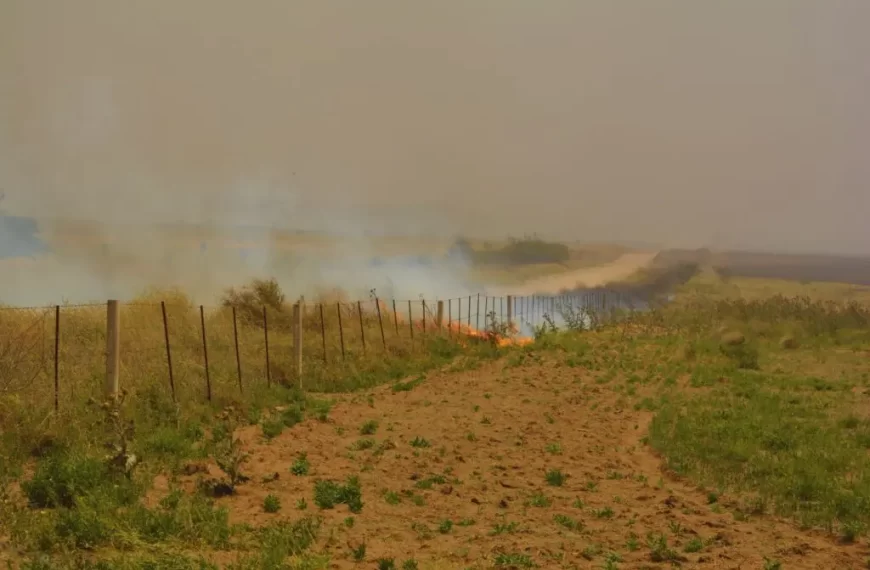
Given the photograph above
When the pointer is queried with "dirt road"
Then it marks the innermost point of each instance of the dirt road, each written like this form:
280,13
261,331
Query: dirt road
515,464
617,270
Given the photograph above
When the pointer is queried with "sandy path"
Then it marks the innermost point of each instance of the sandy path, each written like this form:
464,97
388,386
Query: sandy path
489,436
617,270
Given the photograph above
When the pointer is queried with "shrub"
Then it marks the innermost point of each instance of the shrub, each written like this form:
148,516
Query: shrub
250,299
327,494
63,477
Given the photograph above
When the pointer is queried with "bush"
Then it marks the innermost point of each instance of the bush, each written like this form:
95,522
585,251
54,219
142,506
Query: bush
250,299
63,477
327,494
528,250
745,356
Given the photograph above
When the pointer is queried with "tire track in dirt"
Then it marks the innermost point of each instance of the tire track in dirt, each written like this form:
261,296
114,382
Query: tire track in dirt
493,435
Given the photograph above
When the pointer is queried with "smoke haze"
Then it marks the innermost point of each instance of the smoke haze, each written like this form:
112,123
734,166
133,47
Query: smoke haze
737,124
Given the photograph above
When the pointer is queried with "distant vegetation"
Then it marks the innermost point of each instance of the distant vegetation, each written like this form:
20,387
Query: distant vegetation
518,251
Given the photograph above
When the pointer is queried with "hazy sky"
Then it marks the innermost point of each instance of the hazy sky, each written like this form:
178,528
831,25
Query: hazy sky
722,123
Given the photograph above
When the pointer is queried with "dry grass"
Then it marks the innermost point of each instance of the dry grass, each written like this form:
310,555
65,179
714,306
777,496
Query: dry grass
710,285
549,455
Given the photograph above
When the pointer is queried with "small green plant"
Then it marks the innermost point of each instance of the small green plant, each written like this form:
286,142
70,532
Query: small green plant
328,494
386,564
358,553
591,551
410,564
694,545
392,498
540,500
363,444
770,564
554,448
271,504
850,531
301,465
420,442
301,504
445,527
659,549
272,427
555,478
611,561
508,560
505,528
369,428
604,513
568,522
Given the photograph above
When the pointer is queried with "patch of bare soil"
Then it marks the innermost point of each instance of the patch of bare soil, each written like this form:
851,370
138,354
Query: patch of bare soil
494,434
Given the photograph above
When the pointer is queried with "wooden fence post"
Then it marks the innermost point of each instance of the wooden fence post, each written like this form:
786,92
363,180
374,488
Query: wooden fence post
340,329
510,311
266,338
439,315
168,349
323,332
205,353
56,358
238,356
381,323
297,340
113,348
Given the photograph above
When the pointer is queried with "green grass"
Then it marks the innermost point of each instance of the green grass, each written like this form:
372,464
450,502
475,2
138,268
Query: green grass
328,494
762,427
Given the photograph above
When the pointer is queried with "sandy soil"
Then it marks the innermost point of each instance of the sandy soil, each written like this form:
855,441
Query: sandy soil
618,270
615,489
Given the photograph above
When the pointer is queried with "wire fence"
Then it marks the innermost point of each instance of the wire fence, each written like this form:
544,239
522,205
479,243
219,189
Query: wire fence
51,357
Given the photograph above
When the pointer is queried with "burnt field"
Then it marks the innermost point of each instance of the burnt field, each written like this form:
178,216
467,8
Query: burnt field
793,267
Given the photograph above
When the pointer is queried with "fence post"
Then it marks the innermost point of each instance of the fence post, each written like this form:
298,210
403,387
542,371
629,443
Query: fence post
56,358
439,315
113,347
410,321
450,317
297,340
362,329
323,333
205,353
168,349
238,356
340,329
381,323
510,311
266,339
477,315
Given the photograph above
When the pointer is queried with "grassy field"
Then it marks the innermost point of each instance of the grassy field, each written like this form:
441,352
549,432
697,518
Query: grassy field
731,425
